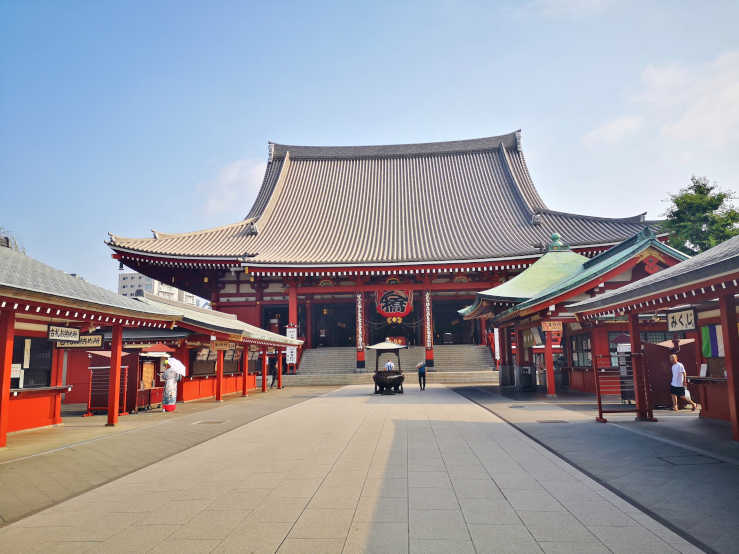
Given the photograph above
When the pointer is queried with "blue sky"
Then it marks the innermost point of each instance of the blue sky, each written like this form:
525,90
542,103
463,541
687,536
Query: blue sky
127,116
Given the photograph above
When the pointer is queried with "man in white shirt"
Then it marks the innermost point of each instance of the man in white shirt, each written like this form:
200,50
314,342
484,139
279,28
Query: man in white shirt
677,385
389,366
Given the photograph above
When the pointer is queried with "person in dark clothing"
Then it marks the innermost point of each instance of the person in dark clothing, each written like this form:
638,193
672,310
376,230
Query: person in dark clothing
421,367
273,370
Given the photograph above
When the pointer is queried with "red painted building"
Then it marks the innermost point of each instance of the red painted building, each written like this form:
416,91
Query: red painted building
43,309
352,245
532,311
48,321
699,295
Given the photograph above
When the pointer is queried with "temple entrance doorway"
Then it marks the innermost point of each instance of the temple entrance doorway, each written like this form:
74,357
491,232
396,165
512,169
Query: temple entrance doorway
274,318
334,324
449,327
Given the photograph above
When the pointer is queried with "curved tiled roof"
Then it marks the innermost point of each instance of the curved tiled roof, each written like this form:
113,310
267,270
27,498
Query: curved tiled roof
434,202
21,275
722,259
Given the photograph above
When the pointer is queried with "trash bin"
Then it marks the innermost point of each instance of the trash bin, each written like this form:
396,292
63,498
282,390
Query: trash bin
526,378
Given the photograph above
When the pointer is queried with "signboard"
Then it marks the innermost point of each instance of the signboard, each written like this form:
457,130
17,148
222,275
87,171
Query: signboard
683,320
392,303
291,352
71,334
86,341
428,323
222,345
551,326
496,336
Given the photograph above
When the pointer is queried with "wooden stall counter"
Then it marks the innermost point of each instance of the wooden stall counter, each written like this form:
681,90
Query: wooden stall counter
35,407
712,394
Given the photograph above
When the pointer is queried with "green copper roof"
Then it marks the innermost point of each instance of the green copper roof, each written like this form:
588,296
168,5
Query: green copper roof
552,267
593,268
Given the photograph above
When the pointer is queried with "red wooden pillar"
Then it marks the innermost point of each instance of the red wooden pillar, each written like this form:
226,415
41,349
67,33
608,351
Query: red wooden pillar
116,347
643,412
308,325
279,369
428,327
483,332
245,371
219,375
731,353
549,361
57,367
7,335
292,305
264,370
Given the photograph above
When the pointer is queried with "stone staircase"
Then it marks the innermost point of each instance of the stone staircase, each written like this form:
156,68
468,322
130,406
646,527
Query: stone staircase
459,363
433,377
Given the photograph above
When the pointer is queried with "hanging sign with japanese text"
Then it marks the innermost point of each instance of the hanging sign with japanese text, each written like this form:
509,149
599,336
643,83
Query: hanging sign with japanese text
71,334
291,352
394,302
222,345
551,326
683,320
86,341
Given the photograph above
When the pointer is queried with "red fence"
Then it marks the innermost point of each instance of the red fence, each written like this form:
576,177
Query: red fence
97,399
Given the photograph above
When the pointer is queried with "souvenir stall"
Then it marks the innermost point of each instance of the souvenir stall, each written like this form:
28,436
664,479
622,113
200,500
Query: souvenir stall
43,313
698,297
533,308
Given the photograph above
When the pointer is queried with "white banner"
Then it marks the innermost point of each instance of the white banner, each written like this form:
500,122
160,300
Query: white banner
427,319
291,352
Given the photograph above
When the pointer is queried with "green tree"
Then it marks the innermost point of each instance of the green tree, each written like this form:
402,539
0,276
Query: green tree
701,216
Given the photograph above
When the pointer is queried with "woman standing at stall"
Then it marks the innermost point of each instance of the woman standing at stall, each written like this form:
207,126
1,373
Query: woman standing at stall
173,369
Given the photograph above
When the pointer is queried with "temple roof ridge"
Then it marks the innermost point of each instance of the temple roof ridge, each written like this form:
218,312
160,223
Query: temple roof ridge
509,140
638,218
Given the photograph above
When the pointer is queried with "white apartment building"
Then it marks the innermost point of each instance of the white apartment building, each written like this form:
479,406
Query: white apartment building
135,284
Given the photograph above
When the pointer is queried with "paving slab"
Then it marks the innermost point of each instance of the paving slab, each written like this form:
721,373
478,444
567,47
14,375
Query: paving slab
42,467
681,470
346,472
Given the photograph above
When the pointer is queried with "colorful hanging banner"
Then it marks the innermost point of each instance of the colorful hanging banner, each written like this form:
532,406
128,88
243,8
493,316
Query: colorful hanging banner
712,341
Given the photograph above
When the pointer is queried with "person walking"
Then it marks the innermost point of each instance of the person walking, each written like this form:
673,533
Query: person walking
389,366
273,370
421,367
677,385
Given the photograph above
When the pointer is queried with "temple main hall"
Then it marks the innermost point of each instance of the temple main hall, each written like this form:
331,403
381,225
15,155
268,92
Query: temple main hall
352,245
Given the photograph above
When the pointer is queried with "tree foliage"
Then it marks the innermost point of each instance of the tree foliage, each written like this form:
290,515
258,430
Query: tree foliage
701,216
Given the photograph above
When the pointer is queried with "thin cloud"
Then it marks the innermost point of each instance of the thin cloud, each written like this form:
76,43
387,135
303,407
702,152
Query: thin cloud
690,107
614,131
234,187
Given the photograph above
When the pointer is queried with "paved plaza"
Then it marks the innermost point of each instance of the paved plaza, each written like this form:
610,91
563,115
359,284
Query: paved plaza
352,472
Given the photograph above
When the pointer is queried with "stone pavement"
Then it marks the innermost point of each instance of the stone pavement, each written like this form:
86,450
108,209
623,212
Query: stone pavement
353,472
42,467
682,470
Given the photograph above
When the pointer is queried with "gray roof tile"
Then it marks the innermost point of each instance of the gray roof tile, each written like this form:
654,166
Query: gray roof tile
719,260
435,202
21,273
